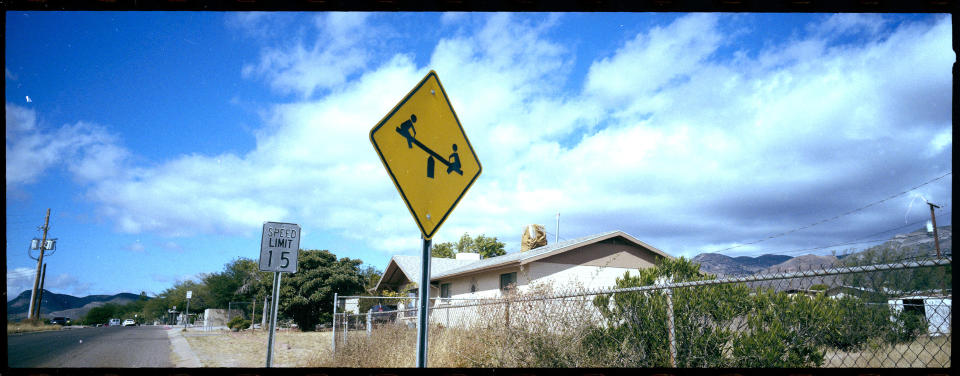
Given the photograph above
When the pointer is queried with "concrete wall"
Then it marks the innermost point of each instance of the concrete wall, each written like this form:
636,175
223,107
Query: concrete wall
214,317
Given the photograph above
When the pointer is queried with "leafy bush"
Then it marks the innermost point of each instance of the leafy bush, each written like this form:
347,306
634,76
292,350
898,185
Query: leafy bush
238,323
905,327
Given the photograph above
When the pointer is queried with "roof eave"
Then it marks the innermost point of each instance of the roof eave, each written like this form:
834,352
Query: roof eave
474,271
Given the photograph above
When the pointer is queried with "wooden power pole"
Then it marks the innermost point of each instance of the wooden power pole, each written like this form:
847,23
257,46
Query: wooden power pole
936,239
31,314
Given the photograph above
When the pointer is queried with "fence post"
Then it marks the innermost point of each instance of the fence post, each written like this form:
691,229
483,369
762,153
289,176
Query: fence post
333,330
670,332
507,306
369,328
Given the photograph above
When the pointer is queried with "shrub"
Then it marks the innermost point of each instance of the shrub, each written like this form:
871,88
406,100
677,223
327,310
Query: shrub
238,323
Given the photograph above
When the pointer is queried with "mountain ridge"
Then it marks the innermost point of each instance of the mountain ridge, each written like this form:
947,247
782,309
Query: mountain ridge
64,305
911,244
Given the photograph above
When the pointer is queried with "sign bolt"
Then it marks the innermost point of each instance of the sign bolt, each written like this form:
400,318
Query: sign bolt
428,216
433,92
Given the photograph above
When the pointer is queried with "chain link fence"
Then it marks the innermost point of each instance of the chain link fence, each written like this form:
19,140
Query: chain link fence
884,315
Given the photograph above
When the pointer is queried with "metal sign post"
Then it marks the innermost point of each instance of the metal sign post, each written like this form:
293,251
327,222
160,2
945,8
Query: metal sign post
273,317
279,248
186,318
423,305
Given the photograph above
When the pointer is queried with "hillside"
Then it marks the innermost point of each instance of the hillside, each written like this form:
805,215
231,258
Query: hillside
907,245
724,266
63,305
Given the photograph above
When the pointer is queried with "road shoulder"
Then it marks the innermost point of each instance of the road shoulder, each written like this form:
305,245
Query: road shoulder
180,353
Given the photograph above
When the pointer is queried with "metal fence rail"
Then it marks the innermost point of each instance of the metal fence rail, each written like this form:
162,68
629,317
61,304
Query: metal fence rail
884,315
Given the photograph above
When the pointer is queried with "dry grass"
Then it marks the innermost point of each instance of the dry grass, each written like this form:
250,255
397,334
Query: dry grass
249,348
923,352
27,326
507,334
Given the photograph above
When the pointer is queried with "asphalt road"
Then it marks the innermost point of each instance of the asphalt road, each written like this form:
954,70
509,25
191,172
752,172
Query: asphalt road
133,346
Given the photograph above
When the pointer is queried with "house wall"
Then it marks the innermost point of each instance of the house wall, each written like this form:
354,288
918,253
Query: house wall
488,284
593,266
563,277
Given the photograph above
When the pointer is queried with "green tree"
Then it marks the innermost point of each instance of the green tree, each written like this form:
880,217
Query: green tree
371,276
486,246
307,295
240,281
465,244
101,314
443,250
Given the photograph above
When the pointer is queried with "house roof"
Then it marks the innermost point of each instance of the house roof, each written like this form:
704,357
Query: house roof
445,267
541,252
410,267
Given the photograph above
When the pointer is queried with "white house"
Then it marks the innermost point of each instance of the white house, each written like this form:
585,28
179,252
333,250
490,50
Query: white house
589,262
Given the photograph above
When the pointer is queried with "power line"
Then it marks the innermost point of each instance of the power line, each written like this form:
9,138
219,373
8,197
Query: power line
860,239
837,216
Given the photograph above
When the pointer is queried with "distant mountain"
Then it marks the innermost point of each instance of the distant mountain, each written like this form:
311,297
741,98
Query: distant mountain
725,266
919,243
54,304
916,243
805,262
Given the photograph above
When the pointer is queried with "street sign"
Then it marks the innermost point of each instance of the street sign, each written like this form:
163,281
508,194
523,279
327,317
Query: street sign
279,247
189,294
427,154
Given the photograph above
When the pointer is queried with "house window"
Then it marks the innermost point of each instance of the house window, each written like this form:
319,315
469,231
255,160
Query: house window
445,290
914,306
508,281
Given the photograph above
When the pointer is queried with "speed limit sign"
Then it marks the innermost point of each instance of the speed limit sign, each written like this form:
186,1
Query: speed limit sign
279,246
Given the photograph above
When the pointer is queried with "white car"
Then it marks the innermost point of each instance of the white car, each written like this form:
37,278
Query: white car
129,322
113,322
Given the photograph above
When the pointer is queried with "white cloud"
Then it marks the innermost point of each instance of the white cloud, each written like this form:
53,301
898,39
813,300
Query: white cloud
943,140
653,61
664,141
18,280
68,284
324,63
848,23
136,246
85,149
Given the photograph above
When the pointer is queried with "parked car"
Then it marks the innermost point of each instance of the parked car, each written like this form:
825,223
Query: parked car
60,321
384,313
113,322
129,322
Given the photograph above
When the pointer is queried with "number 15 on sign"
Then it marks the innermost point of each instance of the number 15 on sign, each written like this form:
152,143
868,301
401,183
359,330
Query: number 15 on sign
279,247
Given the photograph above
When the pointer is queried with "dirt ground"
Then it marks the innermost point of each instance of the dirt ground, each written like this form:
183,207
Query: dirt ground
249,348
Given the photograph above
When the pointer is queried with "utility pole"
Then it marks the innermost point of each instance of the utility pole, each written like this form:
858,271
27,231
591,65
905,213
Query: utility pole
556,238
936,239
43,277
36,280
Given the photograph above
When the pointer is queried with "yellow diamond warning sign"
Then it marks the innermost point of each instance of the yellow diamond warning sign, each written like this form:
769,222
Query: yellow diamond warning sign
426,153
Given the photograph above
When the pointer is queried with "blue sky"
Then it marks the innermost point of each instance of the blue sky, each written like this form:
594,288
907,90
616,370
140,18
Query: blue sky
162,140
